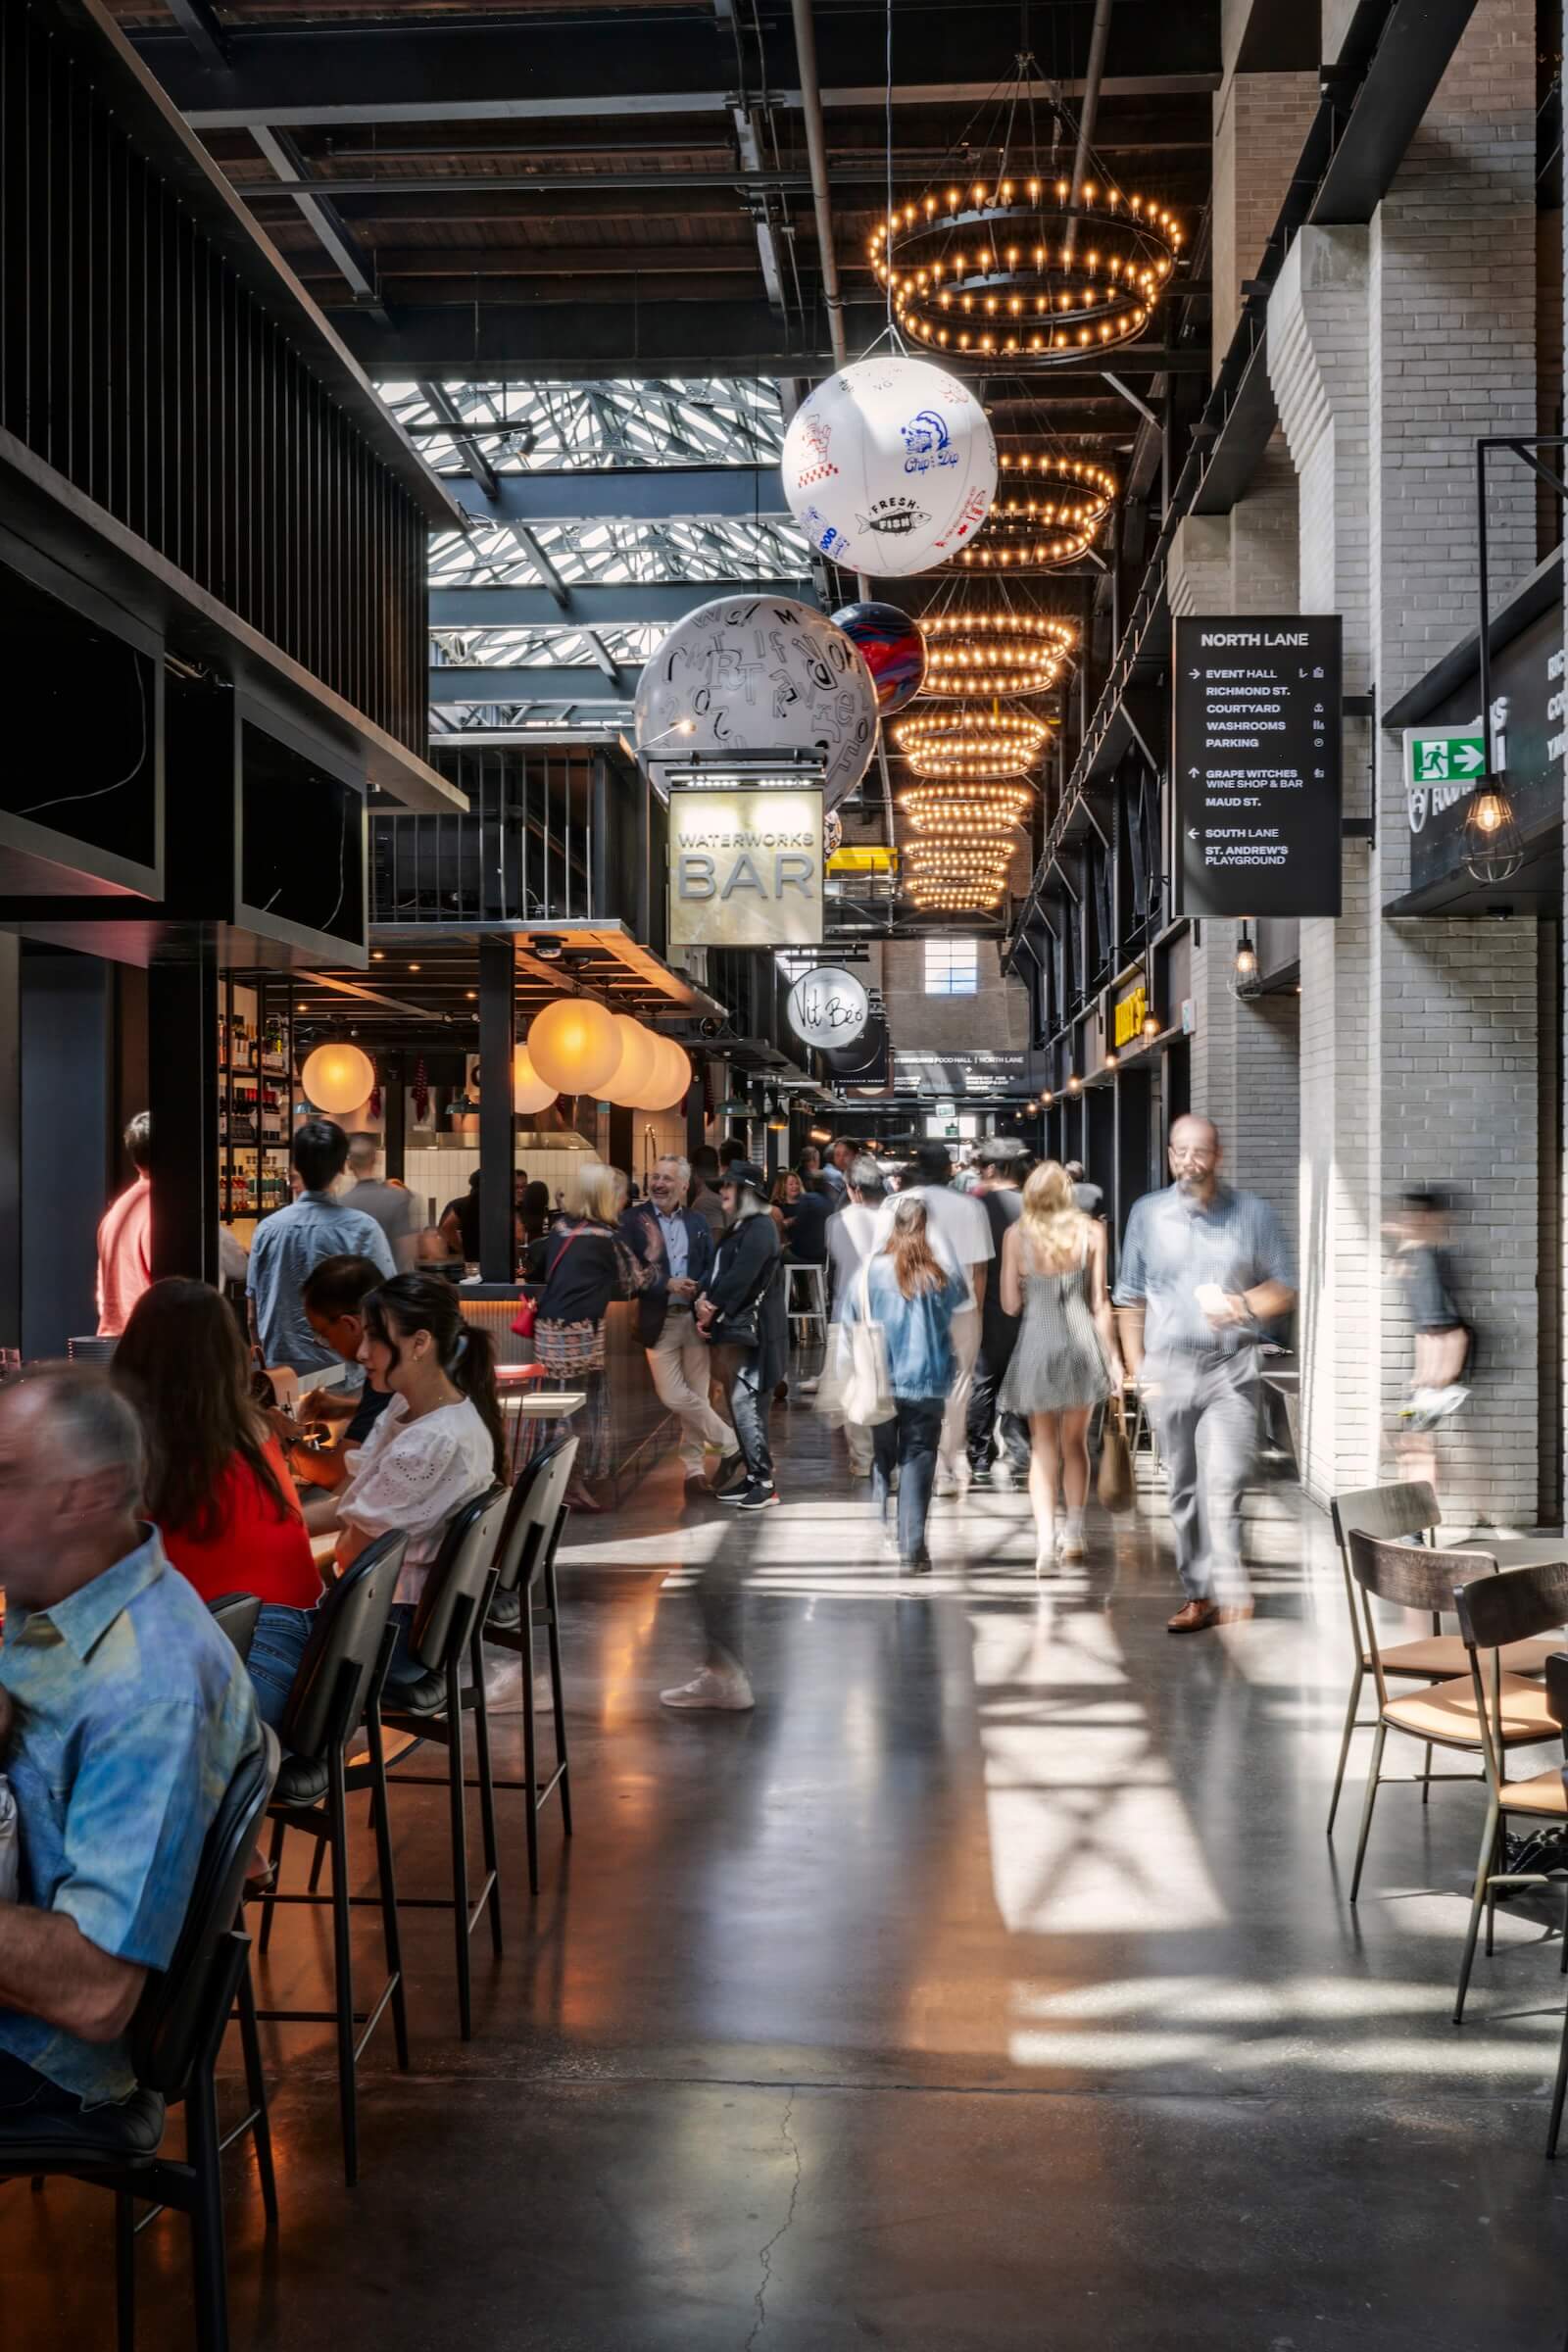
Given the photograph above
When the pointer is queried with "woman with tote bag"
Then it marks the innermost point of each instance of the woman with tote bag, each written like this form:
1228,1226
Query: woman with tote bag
906,1293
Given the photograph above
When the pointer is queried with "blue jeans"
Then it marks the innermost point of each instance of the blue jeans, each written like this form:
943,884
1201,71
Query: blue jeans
283,1637
910,1438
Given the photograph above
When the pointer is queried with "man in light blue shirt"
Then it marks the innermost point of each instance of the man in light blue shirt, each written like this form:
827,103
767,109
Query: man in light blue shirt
124,1714
1203,1268
291,1243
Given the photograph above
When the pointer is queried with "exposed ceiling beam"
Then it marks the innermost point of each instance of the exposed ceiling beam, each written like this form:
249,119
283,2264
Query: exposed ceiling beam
645,603
336,238
628,494
436,397
527,340
530,681
202,29
618,68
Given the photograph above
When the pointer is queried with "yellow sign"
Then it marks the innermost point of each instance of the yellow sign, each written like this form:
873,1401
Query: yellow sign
746,867
873,860
1129,1017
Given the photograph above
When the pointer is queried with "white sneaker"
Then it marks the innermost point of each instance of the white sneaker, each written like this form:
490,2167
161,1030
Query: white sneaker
860,1469
1002,1477
711,1688
944,1485
1071,1547
1443,1402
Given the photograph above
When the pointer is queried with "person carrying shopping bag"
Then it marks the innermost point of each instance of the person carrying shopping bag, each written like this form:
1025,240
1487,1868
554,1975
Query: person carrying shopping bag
908,1289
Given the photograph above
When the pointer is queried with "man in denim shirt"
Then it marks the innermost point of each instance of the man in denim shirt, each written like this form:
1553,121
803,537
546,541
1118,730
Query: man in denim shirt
1202,1269
125,1713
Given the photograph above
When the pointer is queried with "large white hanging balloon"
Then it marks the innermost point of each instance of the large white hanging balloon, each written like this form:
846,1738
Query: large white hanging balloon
760,675
890,466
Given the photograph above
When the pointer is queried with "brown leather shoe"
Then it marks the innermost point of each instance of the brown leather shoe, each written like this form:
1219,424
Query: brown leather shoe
1192,1617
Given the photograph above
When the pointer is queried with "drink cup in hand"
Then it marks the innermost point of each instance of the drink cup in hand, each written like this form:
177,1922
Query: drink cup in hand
1214,1302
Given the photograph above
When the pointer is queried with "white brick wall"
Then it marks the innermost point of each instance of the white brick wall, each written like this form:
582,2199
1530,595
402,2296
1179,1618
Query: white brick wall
1389,350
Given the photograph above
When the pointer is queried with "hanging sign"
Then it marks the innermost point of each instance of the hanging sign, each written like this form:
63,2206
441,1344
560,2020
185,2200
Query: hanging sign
1128,1020
746,867
828,1007
1445,752
1257,765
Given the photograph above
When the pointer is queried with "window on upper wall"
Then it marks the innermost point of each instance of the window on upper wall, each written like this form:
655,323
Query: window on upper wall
952,967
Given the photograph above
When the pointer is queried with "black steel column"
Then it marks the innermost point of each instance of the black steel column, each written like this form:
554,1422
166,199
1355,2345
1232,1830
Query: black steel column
395,1116
695,1104
497,1121
182,1099
1134,1104
623,1141
10,1140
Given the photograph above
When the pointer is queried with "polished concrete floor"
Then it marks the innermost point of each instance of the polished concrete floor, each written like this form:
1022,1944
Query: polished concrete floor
992,1986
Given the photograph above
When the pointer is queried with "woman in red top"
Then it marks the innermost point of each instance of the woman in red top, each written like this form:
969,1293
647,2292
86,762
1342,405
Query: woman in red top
217,1489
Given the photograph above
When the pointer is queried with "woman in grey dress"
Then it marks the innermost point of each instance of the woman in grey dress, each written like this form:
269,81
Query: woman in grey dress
1064,1362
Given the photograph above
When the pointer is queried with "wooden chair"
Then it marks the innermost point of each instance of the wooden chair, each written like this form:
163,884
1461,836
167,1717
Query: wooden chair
1449,1714
1517,1605
1409,1508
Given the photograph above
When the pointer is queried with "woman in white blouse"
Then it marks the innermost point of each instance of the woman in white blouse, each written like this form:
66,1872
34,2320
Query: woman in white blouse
439,1444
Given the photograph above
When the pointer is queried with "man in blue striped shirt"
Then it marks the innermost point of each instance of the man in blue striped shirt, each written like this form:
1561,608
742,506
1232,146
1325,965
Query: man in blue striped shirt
1202,1269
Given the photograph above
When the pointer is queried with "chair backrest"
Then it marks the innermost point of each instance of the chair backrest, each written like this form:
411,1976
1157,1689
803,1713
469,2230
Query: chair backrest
1514,1605
538,1502
332,1683
183,2009
1409,1508
1557,1687
236,1613
1411,1576
459,1581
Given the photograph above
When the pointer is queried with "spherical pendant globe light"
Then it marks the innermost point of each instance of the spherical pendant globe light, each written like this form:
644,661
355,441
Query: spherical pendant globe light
671,1080
639,1056
574,1046
530,1092
338,1078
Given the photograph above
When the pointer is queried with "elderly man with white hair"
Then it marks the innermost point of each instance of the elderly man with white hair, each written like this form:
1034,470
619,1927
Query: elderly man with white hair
677,1242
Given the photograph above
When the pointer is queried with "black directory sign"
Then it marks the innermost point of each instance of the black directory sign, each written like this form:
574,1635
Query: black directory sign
1256,764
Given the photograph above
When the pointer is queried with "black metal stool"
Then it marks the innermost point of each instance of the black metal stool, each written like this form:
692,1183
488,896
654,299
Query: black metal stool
337,1688
525,1571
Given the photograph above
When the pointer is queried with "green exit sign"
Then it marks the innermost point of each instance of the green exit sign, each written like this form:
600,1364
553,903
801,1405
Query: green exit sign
1444,754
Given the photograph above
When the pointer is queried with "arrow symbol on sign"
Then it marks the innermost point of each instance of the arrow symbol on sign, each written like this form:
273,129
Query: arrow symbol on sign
1193,834
1466,759
1193,673
1191,771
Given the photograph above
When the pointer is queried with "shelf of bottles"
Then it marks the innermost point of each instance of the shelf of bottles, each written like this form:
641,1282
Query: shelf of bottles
255,1095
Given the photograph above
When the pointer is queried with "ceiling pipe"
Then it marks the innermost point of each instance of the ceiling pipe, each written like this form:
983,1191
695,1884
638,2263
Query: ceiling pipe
817,157
1098,41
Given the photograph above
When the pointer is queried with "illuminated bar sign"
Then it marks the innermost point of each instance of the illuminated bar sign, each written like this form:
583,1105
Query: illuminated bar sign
1128,1022
746,866
1257,765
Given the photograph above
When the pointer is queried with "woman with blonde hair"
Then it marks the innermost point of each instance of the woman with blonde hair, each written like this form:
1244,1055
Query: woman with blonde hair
587,1262
1064,1362
908,1289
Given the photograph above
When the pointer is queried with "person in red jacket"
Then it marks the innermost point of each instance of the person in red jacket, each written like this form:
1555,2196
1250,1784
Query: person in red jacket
218,1487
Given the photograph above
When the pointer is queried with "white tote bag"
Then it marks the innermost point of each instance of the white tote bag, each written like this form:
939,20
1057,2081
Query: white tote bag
866,1396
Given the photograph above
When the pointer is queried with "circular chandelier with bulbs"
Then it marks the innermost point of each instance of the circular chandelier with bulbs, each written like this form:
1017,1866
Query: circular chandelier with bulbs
981,656
955,746
1009,268
1048,510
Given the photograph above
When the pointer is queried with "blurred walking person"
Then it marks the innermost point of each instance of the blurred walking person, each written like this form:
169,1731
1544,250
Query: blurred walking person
915,1297
851,1236
999,1160
1203,1270
741,1311
1065,1361
960,1237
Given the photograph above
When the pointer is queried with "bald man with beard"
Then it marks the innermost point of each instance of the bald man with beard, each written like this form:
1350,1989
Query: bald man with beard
1203,1270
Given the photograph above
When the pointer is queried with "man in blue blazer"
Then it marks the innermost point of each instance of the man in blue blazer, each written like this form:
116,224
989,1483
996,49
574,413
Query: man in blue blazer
676,1241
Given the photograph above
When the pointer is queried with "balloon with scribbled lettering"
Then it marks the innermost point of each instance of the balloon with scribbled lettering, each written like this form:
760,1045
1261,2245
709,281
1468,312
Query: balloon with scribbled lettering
753,677
890,468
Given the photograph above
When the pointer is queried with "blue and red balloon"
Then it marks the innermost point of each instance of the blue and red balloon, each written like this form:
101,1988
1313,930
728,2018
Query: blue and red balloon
893,651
